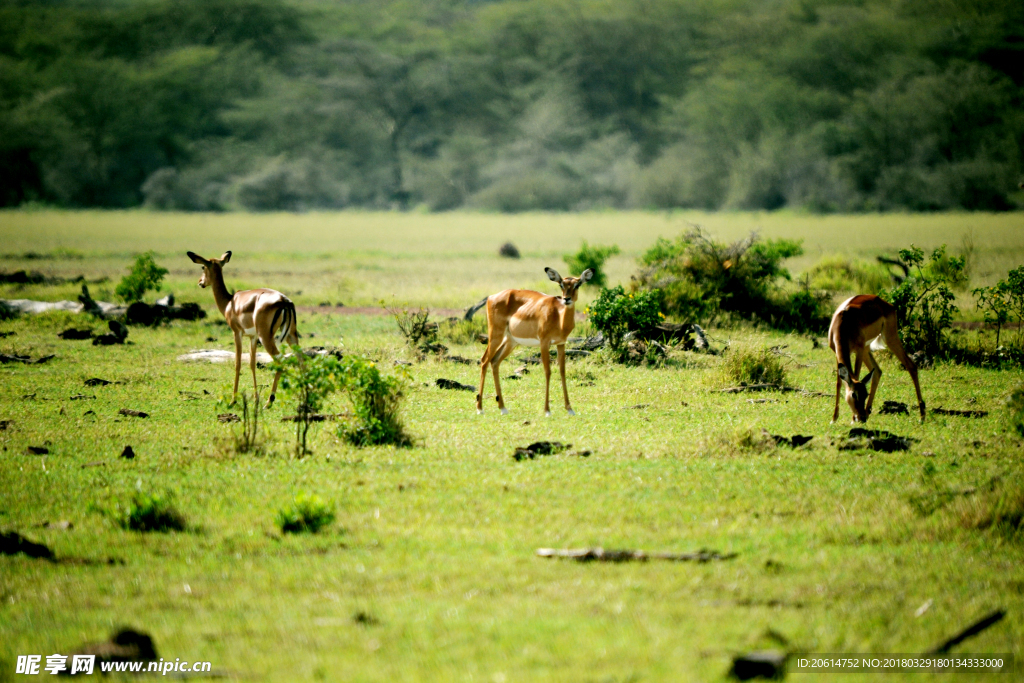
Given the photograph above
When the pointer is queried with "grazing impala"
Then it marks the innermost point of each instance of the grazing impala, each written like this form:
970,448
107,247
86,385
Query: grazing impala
254,313
519,316
858,321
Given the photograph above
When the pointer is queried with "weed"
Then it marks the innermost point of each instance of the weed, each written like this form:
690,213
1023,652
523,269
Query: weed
151,512
249,439
592,258
307,513
144,276
416,328
376,402
754,366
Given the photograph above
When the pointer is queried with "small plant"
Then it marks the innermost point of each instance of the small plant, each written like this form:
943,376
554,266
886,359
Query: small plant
615,313
1015,411
151,512
376,402
461,331
249,440
993,304
144,276
307,513
592,258
419,332
924,301
310,381
754,366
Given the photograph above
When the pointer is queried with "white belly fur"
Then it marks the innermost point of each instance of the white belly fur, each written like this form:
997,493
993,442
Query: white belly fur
525,342
249,331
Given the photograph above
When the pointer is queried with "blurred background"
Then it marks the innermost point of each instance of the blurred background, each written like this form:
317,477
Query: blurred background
513,105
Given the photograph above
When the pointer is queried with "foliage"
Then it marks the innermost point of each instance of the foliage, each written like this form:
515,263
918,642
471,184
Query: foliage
615,313
1004,300
839,273
7,313
151,512
249,439
461,331
592,257
761,365
376,402
514,106
924,301
310,381
416,328
307,513
144,276
1015,411
702,278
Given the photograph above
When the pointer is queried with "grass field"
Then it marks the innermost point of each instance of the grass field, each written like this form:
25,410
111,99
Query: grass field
430,572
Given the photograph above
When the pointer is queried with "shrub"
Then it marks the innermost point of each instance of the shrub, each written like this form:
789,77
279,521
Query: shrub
615,313
842,274
508,250
144,276
592,258
1015,411
701,277
924,301
1003,301
461,331
152,512
310,381
307,513
376,401
415,326
754,366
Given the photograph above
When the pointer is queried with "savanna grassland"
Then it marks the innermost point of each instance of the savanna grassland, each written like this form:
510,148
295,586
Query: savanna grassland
429,571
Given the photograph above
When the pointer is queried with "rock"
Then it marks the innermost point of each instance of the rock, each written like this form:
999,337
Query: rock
12,543
766,664
118,333
129,412
128,453
508,250
452,384
97,382
540,448
74,333
37,450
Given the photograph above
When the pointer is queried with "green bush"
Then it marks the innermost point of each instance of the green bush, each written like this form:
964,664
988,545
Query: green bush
754,366
144,276
1015,411
702,278
151,512
592,258
376,402
310,381
1003,301
840,273
615,313
924,301
307,513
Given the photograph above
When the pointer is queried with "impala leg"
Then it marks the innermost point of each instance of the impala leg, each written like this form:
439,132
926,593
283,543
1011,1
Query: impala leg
545,358
501,354
876,378
238,365
839,386
892,340
561,371
252,366
485,360
274,352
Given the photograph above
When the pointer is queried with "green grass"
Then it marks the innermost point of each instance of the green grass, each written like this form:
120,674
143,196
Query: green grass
429,571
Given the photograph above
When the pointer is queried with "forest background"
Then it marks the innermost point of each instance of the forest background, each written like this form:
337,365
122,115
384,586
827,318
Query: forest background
513,105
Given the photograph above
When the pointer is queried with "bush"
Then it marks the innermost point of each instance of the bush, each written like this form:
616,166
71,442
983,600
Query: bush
754,366
616,313
308,513
839,273
311,381
592,258
376,401
1015,411
144,276
419,332
508,250
461,331
152,512
1003,301
924,301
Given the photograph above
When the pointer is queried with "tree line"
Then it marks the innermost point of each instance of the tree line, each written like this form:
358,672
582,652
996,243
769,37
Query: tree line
513,105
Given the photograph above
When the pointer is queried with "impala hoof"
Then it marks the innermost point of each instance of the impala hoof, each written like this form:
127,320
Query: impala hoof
479,411
504,411
570,411
547,413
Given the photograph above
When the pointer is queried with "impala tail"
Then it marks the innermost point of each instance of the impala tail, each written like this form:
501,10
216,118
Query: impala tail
288,320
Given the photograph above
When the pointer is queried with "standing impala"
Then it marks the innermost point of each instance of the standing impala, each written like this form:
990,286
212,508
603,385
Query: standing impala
858,321
520,316
254,313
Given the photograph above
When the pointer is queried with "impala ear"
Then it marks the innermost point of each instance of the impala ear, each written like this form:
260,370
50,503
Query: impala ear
225,257
844,374
586,275
196,258
553,275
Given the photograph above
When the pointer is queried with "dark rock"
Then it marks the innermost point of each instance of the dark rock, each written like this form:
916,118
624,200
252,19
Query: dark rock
129,412
118,333
128,453
767,664
452,384
74,333
539,448
97,382
37,450
508,250
12,543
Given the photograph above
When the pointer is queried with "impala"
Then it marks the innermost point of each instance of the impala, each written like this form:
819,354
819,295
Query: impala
254,313
520,316
860,323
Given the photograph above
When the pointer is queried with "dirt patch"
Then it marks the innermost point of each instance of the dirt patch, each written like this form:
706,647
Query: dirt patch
960,413
602,555
875,440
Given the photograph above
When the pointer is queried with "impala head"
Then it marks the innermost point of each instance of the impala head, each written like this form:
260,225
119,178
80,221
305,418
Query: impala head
570,285
856,393
211,267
